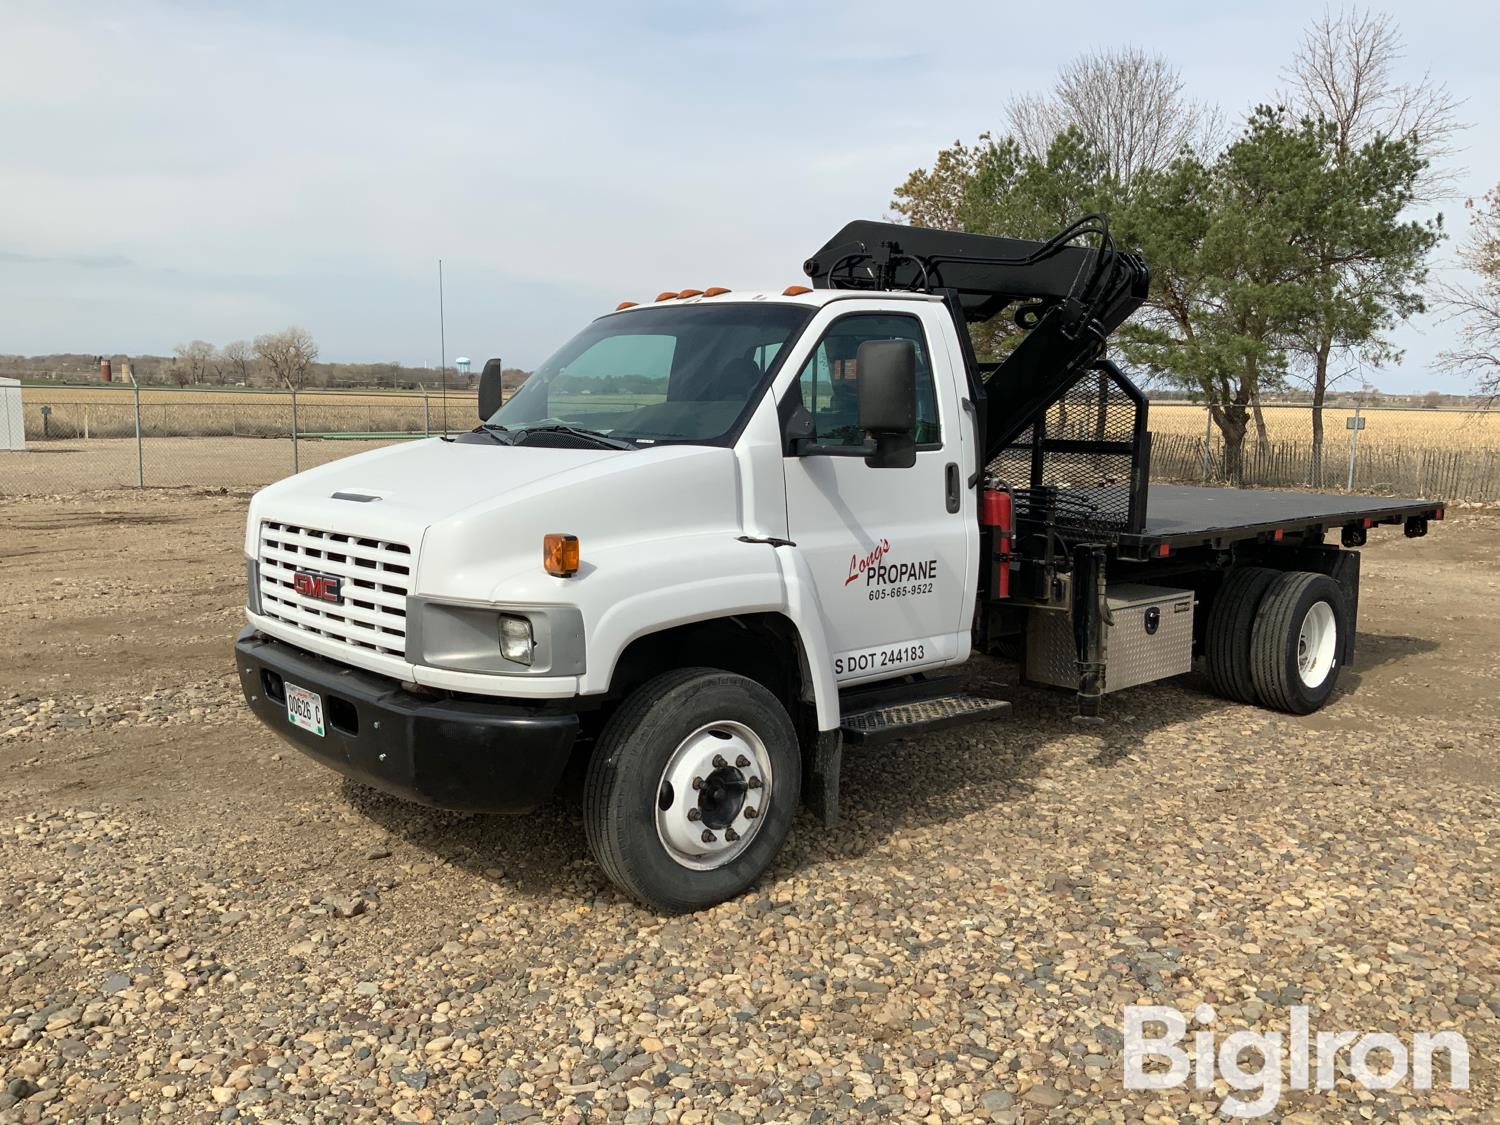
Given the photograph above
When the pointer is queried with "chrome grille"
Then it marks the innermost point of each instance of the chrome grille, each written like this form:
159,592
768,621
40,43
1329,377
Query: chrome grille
375,577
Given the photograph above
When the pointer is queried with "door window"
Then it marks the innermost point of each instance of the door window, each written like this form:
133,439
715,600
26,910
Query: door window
829,382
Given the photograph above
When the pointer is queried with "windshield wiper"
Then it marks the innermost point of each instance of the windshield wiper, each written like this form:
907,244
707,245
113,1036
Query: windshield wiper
603,439
494,430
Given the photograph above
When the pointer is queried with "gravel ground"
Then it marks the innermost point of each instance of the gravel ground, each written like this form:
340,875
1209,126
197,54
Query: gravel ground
196,924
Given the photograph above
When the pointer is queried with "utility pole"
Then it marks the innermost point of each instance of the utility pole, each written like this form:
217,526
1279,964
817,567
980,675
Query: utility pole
442,348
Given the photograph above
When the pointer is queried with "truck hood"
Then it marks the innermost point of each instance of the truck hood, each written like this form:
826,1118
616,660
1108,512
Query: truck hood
482,508
422,482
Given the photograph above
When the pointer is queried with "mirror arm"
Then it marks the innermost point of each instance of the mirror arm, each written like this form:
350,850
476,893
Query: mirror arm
799,432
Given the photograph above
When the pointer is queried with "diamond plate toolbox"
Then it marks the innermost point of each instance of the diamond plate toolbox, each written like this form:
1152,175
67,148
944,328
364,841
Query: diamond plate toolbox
1149,637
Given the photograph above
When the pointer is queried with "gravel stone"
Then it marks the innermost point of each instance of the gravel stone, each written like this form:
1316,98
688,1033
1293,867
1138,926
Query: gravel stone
198,924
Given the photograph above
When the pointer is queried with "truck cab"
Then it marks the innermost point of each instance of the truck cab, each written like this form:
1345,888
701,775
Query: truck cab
710,541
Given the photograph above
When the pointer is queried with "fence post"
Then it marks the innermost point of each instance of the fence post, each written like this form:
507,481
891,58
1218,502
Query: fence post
1208,437
1353,448
426,417
296,468
140,461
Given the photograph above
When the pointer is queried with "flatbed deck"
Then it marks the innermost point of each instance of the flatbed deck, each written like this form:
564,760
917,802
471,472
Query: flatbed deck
1180,516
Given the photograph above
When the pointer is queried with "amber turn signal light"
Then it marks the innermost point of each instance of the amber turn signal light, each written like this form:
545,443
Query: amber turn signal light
560,554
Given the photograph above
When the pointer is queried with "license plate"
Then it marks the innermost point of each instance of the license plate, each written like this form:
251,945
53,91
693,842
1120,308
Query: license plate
305,709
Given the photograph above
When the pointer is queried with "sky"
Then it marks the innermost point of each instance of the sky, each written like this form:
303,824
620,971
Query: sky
172,171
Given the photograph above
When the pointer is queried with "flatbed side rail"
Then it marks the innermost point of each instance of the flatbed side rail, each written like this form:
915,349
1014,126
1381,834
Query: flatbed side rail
1352,524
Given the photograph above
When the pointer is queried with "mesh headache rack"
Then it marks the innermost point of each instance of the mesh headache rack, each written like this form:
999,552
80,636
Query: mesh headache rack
1065,428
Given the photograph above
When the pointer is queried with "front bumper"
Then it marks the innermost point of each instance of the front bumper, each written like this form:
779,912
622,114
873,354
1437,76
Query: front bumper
468,755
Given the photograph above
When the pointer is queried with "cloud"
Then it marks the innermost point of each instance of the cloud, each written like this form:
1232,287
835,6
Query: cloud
175,171
85,261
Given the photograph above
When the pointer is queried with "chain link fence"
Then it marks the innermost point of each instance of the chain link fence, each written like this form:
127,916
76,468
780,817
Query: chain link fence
119,436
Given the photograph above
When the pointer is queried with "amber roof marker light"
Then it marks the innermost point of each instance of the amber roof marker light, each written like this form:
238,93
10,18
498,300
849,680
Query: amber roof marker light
626,305
795,290
714,291
560,554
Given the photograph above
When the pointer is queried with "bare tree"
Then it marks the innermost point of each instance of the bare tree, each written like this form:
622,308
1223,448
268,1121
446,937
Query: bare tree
1344,71
191,362
288,355
239,359
1128,104
1477,307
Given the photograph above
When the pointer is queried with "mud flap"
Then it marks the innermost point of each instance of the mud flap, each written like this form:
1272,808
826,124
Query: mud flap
823,754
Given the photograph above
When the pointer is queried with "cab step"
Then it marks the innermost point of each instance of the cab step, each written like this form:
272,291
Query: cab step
874,725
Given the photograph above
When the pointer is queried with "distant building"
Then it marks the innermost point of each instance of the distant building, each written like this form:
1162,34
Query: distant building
12,420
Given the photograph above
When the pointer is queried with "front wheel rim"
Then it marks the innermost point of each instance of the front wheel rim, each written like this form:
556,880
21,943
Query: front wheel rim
1317,644
713,795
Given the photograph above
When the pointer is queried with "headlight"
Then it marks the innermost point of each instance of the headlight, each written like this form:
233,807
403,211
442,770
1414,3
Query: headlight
516,642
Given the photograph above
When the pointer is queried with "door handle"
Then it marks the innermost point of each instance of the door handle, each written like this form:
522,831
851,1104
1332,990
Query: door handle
955,497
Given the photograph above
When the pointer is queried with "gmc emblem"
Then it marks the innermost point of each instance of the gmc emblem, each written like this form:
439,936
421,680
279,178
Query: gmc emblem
322,587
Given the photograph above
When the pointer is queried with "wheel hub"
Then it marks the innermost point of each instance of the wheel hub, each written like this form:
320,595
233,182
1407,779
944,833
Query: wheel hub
722,797
713,794
1317,644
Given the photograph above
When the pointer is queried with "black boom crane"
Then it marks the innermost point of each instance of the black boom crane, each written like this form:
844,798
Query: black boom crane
1069,297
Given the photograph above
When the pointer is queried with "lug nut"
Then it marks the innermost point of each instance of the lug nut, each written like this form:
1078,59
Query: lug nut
742,761
731,835
751,812
695,814
719,762
697,783
708,837
753,783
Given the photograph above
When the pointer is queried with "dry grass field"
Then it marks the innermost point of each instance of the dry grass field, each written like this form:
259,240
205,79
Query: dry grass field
1447,454
204,410
109,411
1427,429
113,394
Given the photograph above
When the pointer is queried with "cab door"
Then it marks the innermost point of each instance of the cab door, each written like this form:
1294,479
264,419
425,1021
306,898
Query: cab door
890,550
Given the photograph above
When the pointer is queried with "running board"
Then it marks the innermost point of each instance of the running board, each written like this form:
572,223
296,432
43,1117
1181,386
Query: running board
874,725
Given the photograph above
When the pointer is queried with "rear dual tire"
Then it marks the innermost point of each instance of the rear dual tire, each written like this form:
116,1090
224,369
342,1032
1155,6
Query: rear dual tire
1276,638
1297,644
1227,633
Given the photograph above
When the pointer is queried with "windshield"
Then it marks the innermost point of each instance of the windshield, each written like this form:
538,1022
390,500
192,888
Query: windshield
684,373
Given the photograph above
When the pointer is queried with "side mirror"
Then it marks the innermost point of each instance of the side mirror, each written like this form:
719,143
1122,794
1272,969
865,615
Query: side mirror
490,391
887,372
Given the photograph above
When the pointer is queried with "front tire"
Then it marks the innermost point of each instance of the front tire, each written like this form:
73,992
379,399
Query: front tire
1297,642
692,789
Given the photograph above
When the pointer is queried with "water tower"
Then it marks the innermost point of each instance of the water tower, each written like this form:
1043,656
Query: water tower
462,365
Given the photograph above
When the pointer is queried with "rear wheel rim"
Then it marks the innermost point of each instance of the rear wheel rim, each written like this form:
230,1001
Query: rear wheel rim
713,795
1317,644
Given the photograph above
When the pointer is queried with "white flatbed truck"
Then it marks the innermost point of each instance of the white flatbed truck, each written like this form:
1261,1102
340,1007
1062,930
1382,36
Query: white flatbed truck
720,536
